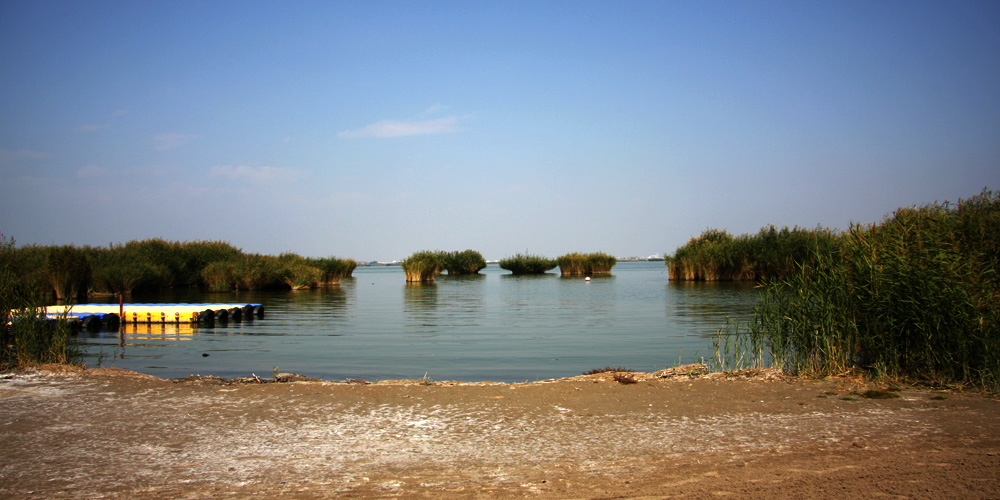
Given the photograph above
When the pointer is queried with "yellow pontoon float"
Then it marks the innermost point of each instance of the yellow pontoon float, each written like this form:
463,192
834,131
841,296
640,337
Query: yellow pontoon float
109,316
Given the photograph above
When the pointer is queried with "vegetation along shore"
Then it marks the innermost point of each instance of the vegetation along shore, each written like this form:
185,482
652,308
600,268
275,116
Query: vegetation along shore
916,296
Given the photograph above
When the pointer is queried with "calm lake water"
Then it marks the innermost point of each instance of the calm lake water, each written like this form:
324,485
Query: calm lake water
494,326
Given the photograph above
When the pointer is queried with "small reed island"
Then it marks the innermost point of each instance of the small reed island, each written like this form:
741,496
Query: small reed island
422,267
527,264
591,264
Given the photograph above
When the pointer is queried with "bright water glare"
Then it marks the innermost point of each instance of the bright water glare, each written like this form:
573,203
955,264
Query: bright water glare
492,326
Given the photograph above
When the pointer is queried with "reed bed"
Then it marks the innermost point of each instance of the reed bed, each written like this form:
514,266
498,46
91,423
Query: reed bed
916,296
26,338
69,271
286,271
72,273
528,264
591,264
716,255
421,267
296,272
155,264
465,262
219,276
120,269
333,269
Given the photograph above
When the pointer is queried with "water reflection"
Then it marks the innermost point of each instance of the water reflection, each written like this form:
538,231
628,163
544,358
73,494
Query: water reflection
158,331
493,326
420,302
707,306
452,305
592,304
464,299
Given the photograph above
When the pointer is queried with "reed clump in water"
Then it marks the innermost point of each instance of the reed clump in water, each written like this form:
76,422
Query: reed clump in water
716,255
421,267
528,264
916,296
333,269
286,271
465,262
297,272
258,272
591,264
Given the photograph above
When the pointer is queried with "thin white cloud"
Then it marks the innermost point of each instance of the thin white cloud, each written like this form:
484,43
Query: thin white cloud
91,171
90,127
435,109
391,128
7,156
403,196
170,140
256,174
348,198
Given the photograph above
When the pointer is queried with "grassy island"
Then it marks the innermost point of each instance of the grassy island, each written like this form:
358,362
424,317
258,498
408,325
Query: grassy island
333,269
527,264
466,262
591,264
421,267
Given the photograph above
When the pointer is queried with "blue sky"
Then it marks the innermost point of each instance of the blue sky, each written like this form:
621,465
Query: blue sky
372,130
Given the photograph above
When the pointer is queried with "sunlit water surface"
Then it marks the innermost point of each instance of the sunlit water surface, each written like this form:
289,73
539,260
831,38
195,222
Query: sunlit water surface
494,326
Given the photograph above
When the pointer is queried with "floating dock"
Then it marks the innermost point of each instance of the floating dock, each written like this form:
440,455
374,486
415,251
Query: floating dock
110,316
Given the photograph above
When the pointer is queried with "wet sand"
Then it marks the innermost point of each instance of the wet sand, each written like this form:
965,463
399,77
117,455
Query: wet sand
108,433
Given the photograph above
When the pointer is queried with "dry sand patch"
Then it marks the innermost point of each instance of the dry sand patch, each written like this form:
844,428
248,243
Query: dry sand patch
113,434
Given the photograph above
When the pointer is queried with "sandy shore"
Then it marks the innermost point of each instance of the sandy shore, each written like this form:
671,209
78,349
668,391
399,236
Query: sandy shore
112,434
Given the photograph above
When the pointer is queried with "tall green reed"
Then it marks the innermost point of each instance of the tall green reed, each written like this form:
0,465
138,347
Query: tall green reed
120,269
26,337
421,267
716,255
333,269
577,264
917,296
